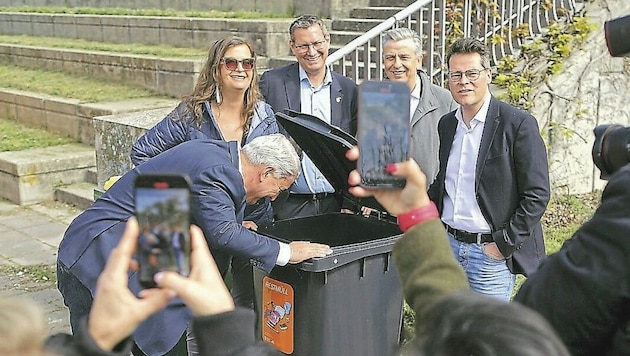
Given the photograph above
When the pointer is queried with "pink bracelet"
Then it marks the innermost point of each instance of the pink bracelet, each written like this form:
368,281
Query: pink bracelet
417,216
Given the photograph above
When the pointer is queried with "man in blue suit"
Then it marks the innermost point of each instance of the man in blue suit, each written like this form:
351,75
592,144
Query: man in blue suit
492,187
309,86
223,179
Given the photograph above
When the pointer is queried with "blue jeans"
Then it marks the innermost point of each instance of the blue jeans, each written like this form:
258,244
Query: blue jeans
486,274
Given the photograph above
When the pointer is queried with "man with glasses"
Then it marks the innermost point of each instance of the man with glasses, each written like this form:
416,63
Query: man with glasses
492,187
402,60
309,86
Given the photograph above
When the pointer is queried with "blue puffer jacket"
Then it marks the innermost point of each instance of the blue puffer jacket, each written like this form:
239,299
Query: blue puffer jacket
179,126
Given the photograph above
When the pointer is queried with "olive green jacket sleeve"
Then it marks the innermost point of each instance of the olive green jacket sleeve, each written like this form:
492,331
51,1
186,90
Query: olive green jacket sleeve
426,266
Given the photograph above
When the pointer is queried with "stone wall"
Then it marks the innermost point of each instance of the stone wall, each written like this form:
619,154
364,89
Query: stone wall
114,137
269,37
67,117
167,76
593,89
325,8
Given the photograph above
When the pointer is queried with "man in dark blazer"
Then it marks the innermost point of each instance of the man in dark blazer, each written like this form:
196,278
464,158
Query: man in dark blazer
223,178
309,86
493,183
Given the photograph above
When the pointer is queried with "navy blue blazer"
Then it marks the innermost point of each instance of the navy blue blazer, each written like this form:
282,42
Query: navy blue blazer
511,181
281,89
218,202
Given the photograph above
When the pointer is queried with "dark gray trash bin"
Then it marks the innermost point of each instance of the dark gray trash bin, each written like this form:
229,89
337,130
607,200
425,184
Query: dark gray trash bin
348,303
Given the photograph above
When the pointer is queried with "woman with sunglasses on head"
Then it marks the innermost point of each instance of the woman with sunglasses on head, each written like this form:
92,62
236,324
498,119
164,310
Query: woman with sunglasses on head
225,104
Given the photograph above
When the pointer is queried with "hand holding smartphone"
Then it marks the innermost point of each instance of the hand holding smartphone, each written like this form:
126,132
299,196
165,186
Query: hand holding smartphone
383,132
162,203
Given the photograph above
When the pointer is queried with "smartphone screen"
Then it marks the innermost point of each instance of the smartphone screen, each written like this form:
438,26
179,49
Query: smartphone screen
163,212
383,131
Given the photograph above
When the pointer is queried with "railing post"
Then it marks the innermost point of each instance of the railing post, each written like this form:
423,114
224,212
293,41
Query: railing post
429,19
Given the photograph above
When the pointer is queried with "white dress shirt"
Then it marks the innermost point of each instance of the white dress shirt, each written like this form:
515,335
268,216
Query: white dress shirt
461,210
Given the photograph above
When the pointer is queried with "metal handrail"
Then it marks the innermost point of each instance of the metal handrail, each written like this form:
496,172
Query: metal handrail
360,59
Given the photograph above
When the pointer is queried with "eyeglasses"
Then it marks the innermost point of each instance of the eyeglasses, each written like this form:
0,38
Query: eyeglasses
471,74
303,48
231,63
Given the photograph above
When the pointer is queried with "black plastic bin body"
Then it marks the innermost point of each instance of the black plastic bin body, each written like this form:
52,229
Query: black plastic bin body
348,303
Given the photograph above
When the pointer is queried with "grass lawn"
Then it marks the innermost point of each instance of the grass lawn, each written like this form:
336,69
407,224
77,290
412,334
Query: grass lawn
15,136
162,51
88,90
146,12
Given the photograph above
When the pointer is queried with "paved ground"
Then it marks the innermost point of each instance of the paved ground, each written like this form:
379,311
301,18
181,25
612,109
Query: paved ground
29,237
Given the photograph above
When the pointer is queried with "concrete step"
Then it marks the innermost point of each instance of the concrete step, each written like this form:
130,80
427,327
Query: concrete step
380,12
357,25
164,76
91,176
340,38
268,35
400,3
29,176
68,117
80,195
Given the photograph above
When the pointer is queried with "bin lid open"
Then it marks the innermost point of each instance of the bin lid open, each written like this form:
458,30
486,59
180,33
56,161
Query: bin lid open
326,146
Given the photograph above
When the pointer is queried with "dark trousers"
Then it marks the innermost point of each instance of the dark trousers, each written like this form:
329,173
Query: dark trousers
242,282
78,299
297,205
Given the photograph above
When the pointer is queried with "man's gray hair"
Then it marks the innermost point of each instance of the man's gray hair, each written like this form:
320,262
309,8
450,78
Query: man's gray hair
306,21
403,33
274,151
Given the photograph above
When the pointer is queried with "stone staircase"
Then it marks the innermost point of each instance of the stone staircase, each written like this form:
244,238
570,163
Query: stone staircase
165,76
344,30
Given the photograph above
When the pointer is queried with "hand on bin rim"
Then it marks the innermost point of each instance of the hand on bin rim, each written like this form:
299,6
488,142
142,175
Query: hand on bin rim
303,250
396,201
203,291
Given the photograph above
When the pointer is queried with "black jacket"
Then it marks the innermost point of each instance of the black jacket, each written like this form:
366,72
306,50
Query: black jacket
584,289
511,181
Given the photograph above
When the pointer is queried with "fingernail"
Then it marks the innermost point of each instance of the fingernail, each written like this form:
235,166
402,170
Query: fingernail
391,168
158,277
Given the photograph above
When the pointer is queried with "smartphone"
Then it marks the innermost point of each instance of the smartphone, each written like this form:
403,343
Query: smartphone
162,207
383,131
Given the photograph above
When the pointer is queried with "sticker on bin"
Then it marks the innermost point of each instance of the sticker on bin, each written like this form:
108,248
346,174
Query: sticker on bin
277,321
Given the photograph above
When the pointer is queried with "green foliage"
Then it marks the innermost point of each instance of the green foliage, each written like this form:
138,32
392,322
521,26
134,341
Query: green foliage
15,136
552,47
144,12
409,318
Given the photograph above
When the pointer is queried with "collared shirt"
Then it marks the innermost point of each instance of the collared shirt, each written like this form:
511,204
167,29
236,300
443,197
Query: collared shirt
314,101
415,97
461,210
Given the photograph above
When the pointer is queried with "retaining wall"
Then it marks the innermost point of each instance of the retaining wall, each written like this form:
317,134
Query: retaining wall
269,37
324,8
68,117
171,77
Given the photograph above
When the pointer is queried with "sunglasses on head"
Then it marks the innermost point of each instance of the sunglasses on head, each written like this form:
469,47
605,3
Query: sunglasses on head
232,63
